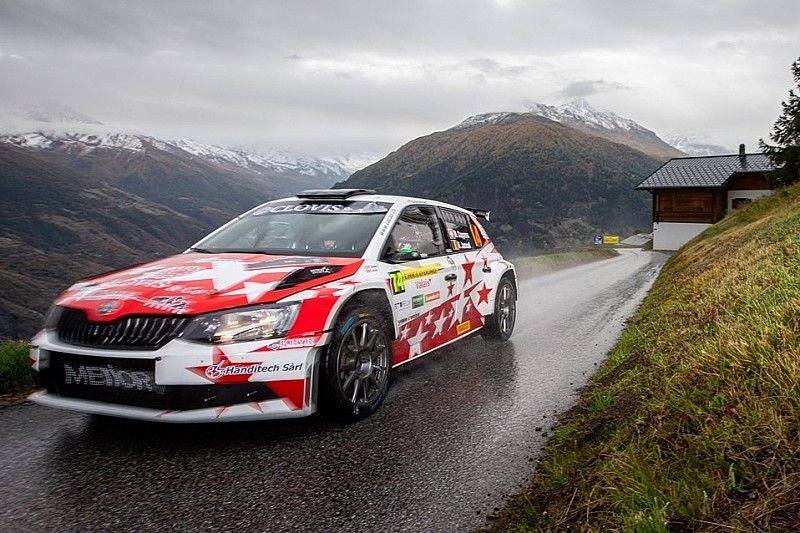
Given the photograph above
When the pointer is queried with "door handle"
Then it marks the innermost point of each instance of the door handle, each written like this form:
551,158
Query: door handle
450,277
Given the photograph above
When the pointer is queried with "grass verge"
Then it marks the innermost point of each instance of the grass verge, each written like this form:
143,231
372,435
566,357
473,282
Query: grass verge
693,422
15,374
527,267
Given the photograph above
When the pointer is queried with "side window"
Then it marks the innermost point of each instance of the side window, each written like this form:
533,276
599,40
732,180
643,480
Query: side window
416,235
462,234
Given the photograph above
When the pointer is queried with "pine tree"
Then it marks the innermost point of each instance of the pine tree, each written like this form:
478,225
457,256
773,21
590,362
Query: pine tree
785,153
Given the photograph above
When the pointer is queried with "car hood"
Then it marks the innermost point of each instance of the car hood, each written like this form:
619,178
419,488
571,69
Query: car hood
195,283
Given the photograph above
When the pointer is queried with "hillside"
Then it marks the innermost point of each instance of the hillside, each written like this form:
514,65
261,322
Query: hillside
71,209
547,185
205,182
60,225
692,423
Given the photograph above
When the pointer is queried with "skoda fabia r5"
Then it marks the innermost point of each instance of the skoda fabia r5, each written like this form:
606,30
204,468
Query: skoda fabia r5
299,304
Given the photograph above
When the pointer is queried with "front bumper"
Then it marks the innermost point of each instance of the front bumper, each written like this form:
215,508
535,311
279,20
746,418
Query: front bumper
271,409
181,382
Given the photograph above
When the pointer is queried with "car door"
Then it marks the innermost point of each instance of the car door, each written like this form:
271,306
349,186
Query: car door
416,278
464,250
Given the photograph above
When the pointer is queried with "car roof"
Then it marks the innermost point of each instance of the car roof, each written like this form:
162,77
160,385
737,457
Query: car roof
400,201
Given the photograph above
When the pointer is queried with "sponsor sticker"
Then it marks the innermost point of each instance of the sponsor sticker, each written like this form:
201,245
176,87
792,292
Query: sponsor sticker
387,221
219,371
173,304
423,283
420,272
463,328
417,301
188,291
432,296
298,342
404,304
108,376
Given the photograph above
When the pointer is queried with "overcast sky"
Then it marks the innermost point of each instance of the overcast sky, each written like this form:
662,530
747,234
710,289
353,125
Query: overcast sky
330,77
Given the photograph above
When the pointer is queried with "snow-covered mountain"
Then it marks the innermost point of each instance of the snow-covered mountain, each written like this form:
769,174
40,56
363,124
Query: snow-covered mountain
579,114
54,126
327,170
698,145
580,111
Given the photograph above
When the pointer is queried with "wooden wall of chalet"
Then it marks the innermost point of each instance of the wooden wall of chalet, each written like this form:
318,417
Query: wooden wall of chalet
688,205
754,181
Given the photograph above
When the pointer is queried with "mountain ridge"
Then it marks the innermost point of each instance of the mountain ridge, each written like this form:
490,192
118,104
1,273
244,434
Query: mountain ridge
581,115
548,185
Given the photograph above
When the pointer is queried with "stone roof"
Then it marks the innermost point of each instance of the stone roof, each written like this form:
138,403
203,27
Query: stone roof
711,171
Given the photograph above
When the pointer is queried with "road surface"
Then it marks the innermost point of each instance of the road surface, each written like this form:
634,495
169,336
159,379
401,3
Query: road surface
456,435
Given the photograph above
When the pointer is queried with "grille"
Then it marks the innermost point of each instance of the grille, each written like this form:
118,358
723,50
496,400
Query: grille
132,332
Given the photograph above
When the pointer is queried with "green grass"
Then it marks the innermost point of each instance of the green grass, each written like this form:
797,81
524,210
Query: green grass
530,266
693,422
15,374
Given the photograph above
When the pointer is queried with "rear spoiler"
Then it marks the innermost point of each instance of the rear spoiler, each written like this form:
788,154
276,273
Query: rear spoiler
480,213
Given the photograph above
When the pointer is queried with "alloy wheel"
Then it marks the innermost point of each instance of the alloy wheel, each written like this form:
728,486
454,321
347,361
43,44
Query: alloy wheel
363,363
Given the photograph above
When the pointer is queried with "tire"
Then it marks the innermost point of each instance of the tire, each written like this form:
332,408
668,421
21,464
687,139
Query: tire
354,374
500,325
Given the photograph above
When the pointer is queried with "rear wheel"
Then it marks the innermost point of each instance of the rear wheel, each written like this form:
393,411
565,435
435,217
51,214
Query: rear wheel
355,368
500,324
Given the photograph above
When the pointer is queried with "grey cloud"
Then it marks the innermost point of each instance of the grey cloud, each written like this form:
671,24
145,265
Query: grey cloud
339,76
491,67
583,88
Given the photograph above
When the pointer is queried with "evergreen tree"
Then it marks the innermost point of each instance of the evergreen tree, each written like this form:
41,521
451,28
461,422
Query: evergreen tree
785,153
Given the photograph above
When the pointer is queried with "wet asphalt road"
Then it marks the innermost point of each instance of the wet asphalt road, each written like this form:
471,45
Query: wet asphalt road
456,435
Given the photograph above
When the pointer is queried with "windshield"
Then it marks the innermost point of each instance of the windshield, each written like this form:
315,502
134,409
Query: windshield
315,227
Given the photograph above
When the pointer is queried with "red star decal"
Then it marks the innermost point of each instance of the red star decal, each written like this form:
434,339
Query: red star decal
468,271
450,288
483,294
467,292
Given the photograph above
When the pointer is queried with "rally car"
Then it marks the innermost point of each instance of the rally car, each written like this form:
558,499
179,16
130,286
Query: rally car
300,304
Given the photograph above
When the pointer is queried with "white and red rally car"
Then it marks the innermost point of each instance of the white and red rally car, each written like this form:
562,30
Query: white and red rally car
299,303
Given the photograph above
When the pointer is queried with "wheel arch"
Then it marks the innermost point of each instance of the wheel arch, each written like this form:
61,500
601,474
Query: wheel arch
511,273
374,294
500,270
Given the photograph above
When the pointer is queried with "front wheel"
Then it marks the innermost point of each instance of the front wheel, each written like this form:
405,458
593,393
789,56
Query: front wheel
500,324
355,368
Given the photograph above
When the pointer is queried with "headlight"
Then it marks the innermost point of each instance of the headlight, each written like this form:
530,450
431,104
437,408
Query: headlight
243,324
52,317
